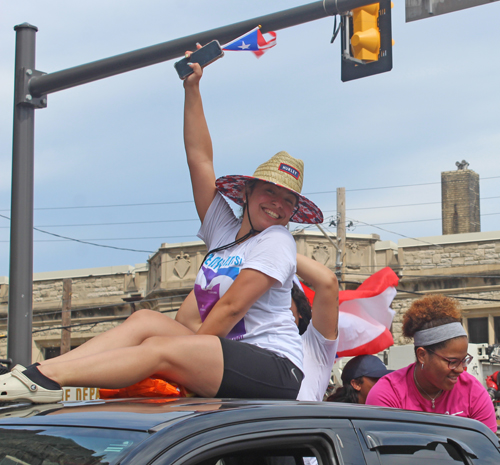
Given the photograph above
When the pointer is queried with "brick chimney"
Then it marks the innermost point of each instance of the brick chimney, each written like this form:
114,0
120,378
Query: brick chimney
460,200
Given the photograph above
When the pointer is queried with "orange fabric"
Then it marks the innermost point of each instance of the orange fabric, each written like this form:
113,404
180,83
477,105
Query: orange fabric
149,387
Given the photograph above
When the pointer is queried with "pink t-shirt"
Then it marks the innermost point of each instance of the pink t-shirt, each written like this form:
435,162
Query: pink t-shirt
468,398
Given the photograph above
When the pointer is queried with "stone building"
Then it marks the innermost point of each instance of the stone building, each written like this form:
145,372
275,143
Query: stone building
463,263
464,266
103,297
458,265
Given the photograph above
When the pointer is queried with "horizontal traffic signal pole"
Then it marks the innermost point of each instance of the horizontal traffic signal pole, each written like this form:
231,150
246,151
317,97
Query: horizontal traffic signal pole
82,74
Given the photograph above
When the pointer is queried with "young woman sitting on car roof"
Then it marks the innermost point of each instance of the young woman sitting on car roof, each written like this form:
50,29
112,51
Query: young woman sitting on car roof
437,382
248,344
318,326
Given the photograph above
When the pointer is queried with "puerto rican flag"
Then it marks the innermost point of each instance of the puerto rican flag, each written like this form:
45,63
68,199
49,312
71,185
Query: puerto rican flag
365,315
252,41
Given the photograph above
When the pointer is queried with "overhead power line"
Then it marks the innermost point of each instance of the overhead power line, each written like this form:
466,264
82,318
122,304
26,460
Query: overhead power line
192,201
84,241
111,224
390,187
110,206
197,219
419,221
409,205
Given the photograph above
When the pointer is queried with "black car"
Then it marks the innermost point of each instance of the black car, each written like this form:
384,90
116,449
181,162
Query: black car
230,432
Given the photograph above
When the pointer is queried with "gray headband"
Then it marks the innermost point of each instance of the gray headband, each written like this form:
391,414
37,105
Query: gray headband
430,336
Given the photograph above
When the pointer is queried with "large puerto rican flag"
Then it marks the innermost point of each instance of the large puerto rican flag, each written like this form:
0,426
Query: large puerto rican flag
252,41
365,315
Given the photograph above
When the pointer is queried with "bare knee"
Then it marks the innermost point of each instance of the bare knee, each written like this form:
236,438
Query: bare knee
141,316
150,323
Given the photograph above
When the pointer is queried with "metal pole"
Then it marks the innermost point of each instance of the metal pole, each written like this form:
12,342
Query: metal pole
71,77
21,224
66,316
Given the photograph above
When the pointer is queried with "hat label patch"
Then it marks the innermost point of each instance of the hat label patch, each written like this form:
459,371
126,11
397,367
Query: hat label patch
289,169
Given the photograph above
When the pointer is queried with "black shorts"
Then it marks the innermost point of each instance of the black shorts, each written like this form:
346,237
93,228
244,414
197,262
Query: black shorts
251,372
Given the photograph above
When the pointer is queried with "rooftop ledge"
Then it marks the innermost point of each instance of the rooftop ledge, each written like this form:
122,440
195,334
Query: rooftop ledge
449,239
84,272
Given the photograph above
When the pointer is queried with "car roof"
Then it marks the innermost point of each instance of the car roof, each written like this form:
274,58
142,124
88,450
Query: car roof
152,414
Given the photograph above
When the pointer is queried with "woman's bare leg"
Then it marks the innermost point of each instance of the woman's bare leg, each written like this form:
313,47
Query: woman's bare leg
194,362
133,331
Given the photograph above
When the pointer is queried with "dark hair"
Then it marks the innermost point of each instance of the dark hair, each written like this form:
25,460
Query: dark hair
303,308
428,312
346,393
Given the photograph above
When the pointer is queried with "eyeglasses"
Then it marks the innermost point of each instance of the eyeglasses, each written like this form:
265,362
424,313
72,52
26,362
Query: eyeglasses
454,363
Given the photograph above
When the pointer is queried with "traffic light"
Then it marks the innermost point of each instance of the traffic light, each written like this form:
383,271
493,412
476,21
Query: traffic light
366,41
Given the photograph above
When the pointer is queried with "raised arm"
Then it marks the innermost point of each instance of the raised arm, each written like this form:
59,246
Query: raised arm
198,144
325,310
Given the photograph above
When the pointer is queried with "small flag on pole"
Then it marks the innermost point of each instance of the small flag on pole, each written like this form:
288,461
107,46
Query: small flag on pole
252,41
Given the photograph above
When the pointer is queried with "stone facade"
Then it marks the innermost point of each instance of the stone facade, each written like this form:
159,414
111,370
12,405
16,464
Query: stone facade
99,297
461,265
476,251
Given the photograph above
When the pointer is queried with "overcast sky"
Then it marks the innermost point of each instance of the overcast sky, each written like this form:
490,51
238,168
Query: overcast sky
109,159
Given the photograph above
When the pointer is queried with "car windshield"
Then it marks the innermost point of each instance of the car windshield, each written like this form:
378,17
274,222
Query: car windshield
43,445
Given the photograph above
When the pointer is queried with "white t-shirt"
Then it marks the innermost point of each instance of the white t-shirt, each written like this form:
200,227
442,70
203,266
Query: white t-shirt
319,357
269,323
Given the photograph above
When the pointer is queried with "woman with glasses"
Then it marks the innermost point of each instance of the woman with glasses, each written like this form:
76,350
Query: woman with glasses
437,382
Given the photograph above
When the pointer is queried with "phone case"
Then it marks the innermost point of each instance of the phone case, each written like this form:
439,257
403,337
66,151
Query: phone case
204,56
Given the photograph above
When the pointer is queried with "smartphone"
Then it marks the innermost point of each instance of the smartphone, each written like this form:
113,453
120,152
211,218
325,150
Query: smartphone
204,56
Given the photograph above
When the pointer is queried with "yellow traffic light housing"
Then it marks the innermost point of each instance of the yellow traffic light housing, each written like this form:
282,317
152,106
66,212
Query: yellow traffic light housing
365,40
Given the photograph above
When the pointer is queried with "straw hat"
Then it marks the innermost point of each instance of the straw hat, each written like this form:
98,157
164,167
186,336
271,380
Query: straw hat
282,170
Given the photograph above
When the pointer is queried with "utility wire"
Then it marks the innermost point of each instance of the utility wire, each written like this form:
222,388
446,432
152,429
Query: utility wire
393,232
482,299
83,241
192,201
389,187
420,221
197,219
88,323
109,224
103,307
409,205
108,320
187,235
110,206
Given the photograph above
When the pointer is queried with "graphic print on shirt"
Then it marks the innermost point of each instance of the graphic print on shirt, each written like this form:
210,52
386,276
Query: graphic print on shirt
217,275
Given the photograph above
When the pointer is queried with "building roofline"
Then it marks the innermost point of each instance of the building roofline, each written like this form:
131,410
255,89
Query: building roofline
449,239
83,273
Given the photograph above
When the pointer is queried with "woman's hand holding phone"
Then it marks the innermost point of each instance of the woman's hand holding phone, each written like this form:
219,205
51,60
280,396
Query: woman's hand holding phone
203,55
197,70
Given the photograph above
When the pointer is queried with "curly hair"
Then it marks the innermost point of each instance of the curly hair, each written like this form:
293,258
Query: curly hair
428,312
